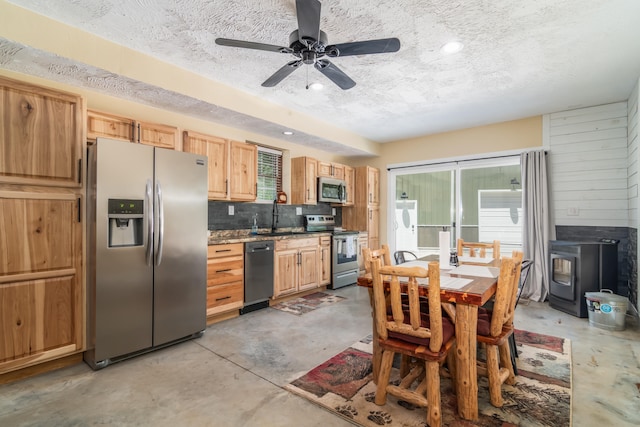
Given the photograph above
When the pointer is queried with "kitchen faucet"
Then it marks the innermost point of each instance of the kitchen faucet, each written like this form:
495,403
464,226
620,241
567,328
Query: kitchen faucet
274,216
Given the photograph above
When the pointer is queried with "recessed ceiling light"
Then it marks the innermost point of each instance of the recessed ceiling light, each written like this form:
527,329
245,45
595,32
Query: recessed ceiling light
315,86
451,47
287,132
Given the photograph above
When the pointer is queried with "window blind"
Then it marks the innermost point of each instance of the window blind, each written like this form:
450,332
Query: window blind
269,173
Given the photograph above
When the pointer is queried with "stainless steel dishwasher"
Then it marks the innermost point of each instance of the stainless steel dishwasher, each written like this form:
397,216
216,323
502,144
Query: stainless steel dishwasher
258,275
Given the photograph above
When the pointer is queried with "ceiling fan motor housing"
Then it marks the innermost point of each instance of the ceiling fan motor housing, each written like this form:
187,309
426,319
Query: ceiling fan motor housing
312,50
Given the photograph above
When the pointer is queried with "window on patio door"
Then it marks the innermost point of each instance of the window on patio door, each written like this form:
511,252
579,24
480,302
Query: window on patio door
479,201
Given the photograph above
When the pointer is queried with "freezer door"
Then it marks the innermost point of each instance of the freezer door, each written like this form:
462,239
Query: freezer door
180,288
121,297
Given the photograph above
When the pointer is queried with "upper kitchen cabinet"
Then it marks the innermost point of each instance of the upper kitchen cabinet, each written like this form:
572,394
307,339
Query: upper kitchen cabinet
42,134
331,170
304,178
105,125
233,165
350,180
364,215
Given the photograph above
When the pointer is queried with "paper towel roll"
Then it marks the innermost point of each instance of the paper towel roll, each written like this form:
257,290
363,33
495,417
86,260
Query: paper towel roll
445,238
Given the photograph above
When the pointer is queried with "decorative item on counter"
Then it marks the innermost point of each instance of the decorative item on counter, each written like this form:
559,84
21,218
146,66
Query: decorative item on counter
281,197
453,258
254,227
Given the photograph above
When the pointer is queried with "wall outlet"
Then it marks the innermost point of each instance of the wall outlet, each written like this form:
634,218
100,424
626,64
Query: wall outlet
333,211
298,211
573,211
231,210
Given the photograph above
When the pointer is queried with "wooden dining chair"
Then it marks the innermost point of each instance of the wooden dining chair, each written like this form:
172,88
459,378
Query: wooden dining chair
412,333
495,326
479,249
369,254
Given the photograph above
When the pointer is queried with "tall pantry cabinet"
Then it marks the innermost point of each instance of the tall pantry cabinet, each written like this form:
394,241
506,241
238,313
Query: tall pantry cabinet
42,296
365,214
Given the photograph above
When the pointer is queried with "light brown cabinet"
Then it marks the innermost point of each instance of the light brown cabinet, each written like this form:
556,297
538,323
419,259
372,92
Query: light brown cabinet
295,265
324,266
105,125
233,165
41,135
331,170
350,178
41,292
225,278
365,214
304,181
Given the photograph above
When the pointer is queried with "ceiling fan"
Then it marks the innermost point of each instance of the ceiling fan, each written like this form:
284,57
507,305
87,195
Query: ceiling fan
309,45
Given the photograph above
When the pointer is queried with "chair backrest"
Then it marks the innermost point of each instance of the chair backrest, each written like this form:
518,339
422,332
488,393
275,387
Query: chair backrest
370,254
403,256
479,249
505,299
413,325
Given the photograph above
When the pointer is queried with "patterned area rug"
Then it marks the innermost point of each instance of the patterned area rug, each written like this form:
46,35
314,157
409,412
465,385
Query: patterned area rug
540,397
307,303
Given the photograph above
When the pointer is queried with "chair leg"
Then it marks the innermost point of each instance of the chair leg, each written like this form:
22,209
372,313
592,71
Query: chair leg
383,377
506,361
493,372
434,415
514,352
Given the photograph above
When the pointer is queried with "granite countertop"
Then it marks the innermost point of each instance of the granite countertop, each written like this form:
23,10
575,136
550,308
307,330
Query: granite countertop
218,237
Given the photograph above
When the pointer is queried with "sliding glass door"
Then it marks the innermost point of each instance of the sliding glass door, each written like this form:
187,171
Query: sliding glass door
479,201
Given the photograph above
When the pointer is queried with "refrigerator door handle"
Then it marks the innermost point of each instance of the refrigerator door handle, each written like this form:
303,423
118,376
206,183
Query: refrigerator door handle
149,214
160,223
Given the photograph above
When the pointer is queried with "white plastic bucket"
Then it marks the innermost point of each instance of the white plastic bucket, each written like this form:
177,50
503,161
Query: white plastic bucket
607,310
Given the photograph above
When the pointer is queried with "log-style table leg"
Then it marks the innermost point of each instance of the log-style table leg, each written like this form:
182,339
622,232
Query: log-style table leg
466,369
377,355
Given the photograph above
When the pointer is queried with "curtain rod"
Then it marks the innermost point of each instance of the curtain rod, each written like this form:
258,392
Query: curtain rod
460,161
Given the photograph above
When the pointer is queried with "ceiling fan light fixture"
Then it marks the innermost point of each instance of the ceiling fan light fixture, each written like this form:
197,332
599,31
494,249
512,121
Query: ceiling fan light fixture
315,86
451,47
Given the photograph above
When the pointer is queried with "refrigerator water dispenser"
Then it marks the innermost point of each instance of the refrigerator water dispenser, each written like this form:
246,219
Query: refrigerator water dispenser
125,222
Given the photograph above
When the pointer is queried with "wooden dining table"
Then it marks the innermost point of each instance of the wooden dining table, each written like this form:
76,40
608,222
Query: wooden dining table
467,299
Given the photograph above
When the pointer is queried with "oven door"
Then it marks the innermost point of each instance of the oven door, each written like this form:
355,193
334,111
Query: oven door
563,276
345,253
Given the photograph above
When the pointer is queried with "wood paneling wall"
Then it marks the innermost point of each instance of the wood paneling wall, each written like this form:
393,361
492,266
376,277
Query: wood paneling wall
588,166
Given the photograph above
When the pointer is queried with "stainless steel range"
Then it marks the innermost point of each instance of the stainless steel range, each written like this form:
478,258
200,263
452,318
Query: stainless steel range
344,249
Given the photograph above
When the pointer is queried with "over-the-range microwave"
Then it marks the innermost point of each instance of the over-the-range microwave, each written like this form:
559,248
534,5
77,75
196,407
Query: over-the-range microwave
332,190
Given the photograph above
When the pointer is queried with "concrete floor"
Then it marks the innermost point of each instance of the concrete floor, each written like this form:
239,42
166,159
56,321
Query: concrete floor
233,375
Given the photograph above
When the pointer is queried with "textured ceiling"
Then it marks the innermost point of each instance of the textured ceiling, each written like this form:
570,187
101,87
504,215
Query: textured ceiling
521,58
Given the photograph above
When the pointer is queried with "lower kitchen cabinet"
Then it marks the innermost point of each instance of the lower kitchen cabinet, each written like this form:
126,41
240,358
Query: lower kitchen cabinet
295,265
225,278
325,260
41,287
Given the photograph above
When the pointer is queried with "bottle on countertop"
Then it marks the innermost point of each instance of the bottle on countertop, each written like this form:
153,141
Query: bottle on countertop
254,227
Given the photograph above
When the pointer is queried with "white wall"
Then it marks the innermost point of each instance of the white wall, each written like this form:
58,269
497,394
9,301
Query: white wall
588,166
633,161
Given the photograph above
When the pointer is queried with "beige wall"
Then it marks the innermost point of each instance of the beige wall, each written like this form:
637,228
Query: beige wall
498,137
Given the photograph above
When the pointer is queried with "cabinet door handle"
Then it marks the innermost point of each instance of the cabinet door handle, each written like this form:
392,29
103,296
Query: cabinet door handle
223,298
79,171
79,210
223,250
223,271
226,187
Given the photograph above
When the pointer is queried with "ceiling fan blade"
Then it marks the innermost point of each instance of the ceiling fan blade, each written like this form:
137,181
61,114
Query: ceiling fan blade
283,72
364,47
252,45
308,12
334,74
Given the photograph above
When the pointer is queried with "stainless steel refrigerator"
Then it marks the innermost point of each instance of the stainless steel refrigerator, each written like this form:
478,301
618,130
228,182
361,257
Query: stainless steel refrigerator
147,249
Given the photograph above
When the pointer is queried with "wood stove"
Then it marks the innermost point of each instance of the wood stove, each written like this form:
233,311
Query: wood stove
579,267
